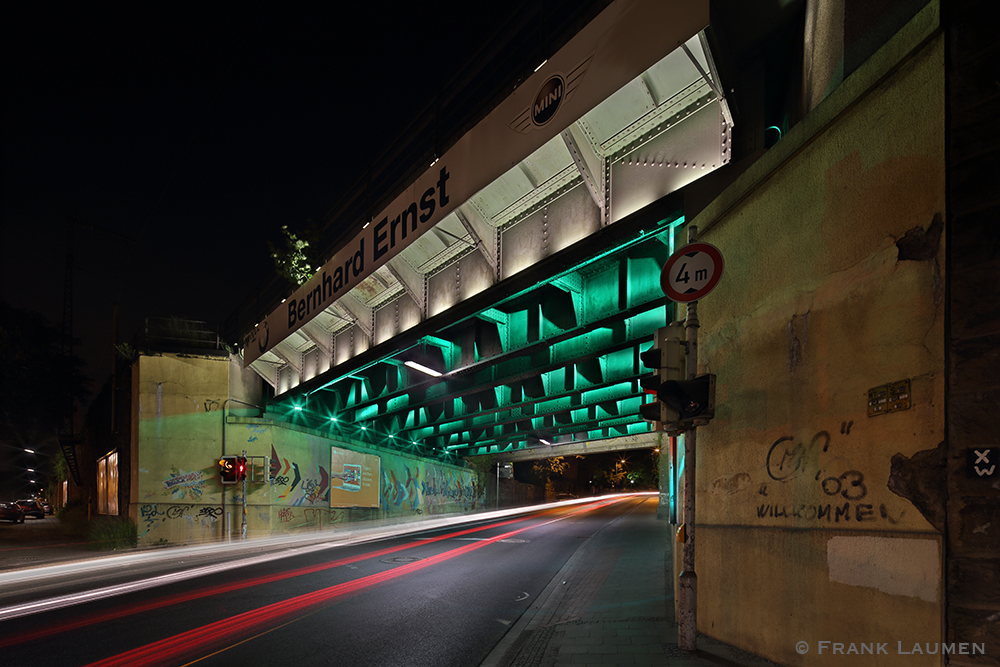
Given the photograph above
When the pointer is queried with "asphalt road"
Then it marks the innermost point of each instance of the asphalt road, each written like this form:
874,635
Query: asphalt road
442,597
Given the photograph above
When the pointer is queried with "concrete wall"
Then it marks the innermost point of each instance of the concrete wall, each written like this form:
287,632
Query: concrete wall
178,438
833,285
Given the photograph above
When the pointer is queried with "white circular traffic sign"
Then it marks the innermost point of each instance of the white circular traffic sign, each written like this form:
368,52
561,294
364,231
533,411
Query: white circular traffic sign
691,272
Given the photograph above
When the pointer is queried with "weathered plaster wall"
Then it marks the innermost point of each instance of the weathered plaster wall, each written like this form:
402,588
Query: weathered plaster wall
833,285
179,439
177,423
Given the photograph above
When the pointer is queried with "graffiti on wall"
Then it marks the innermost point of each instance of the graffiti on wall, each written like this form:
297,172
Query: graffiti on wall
181,485
400,492
299,493
305,484
301,477
403,488
152,514
842,490
255,431
436,491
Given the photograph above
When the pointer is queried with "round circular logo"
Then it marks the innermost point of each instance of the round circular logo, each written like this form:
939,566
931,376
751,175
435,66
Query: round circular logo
547,100
262,338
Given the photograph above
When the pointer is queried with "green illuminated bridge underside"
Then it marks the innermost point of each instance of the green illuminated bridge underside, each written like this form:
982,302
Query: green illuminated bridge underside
531,362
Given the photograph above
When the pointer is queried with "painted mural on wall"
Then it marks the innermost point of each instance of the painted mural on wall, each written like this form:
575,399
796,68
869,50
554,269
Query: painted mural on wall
433,490
296,474
407,486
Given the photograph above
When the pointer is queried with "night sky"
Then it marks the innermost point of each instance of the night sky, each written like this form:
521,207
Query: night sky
191,133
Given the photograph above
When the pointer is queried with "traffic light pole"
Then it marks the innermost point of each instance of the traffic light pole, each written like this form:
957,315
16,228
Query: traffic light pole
227,526
243,526
687,593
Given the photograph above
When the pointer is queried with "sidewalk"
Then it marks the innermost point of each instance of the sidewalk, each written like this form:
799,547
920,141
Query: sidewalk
40,542
612,604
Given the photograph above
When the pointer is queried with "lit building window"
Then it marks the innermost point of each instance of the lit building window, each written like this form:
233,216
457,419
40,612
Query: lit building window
107,484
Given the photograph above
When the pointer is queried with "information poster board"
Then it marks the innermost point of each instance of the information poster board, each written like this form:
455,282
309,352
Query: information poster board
354,478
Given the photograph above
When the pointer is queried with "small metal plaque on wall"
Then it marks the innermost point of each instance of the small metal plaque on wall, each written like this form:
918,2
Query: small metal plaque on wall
891,397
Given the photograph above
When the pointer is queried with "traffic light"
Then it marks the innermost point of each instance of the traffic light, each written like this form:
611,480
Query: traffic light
693,401
257,468
241,468
228,470
666,359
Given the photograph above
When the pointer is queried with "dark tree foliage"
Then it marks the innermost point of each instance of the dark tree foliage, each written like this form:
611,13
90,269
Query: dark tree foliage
298,261
39,384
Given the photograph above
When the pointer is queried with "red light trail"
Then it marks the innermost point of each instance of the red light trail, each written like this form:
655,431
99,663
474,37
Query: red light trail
215,635
219,589
129,610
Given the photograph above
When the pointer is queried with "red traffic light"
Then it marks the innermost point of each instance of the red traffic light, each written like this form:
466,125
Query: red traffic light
241,468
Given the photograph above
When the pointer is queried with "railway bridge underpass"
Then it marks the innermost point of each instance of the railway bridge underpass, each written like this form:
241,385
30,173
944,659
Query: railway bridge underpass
512,324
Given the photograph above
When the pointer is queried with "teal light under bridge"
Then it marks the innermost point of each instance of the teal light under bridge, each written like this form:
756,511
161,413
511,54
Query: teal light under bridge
557,361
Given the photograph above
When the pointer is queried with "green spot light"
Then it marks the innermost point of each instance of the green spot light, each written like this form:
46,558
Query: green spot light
297,408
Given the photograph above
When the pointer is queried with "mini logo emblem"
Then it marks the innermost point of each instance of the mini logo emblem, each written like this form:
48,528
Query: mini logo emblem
547,100
262,340
557,90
